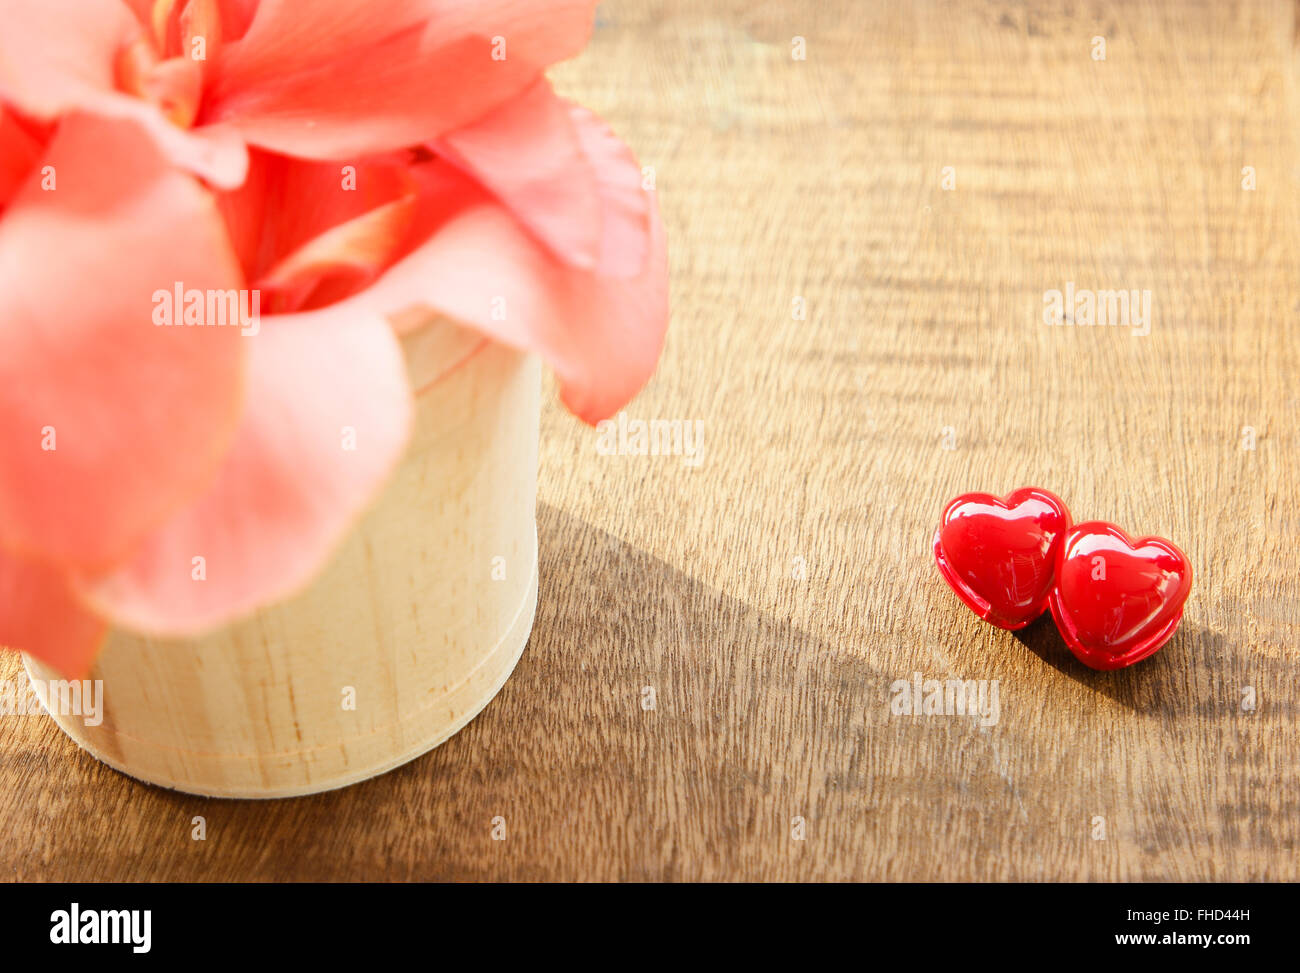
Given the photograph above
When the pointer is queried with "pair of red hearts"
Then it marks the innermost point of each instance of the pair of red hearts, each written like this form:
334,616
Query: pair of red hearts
1115,600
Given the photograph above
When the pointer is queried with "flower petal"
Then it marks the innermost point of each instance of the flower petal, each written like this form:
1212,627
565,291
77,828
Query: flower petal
60,56
529,154
20,149
341,260
564,175
626,207
286,203
40,615
54,52
233,16
478,266
215,153
414,69
328,417
601,335
107,422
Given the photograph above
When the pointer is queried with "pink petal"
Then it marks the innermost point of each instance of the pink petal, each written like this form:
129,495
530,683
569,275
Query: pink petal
626,208
601,334
364,78
234,15
175,86
215,153
20,149
55,52
289,490
286,203
138,415
341,260
59,56
529,154
40,615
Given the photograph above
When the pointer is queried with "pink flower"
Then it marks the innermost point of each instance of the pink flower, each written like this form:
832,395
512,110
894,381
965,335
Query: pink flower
365,170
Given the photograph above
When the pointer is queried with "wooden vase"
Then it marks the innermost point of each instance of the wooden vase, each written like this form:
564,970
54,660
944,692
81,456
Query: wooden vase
409,631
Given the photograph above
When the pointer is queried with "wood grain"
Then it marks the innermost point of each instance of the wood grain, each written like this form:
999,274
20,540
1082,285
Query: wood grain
824,440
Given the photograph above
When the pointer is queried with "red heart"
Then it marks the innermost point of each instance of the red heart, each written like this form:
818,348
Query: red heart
1000,555
1117,600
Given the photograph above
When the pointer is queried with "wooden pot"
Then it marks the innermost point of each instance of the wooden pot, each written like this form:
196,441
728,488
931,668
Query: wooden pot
409,632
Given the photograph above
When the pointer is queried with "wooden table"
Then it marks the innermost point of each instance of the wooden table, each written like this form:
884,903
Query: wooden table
771,595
